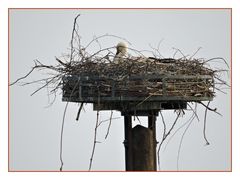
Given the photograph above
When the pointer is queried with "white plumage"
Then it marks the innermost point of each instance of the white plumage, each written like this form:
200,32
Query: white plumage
121,52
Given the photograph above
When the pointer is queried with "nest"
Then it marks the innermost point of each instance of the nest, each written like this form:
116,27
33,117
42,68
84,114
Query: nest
139,77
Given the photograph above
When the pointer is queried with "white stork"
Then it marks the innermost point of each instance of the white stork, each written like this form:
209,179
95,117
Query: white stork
121,52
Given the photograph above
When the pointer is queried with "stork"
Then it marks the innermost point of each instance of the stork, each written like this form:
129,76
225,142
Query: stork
121,52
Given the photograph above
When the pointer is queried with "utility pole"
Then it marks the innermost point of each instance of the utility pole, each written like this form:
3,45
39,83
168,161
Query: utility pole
140,144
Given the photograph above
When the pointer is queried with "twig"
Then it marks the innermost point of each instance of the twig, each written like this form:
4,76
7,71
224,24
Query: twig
94,142
52,102
23,76
109,125
178,50
157,49
218,58
63,121
106,120
36,81
79,111
173,125
195,52
47,83
194,112
95,133
138,119
164,125
181,141
169,140
61,138
72,39
103,36
205,124
210,109
165,136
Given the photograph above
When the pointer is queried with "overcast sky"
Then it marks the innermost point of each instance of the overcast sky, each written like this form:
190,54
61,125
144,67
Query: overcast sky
44,34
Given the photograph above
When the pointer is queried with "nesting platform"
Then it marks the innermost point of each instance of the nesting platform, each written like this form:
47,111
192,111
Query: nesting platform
137,92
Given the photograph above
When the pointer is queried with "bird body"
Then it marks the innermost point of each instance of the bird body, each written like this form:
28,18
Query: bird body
121,53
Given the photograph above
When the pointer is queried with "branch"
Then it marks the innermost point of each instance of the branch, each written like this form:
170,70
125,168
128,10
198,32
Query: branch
218,58
103,36
194,111
61,139
95,133
210,109
23,76
195,52
166,135
72,39
79,110
169,140
181,141
109,125
106,120
205,124
94,142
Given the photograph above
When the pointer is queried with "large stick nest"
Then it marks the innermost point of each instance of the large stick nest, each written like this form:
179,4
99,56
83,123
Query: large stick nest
183,77
140,66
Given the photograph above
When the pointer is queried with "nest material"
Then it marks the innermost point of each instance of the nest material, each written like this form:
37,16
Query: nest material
140,66
141,77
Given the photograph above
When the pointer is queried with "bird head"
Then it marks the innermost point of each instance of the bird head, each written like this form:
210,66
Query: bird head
122,48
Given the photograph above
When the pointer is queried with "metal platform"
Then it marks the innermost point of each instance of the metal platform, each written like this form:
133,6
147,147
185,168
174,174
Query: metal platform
130,92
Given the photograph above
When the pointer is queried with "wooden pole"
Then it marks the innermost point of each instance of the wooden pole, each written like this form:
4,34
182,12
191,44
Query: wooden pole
143,149
152,126
140,145
128,142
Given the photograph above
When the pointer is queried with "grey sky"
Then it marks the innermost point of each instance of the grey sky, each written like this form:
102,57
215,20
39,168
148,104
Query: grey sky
44,34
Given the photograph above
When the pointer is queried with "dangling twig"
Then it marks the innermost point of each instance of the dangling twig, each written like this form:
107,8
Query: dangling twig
194,112
94,142
63,122
210,109
183,125
61,138
181,141
95,133
109,125
165,136
79,111
205,124
138,120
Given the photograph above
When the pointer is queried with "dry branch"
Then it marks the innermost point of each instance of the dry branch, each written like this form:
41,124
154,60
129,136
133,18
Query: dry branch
109,125
165,135
79,111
